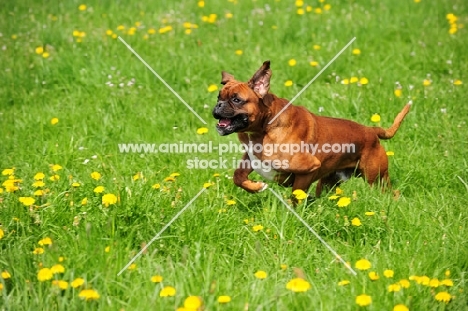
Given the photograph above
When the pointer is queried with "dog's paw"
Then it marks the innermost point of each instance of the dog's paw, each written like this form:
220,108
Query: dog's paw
264,187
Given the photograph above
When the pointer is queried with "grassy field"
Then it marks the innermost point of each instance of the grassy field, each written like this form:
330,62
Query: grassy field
71,92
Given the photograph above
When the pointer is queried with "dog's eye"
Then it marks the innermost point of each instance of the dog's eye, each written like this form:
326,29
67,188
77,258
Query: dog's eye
236,100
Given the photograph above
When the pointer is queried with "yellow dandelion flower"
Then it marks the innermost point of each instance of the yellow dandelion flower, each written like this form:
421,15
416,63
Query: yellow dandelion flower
239,52
188,31
44,274
77,282
156,279
447,273
45,241
2,233
109,32
151,31
39,50
167,291
109,199
193,303
14,37
388,273
56,167
156,186
363,264
61,259
202,130
288,83
363,81
400,307
212,88
292,62
404,283
343,202
95,175
446,282
327,7
99,189
318,11
373,276
394,288
76,184
356,52
230,202
45,55
353,80
207,185
390,153
314,63
224,299
132,267
63,285
345,81
169,179
5,275
229,15
356,222
343,283
84,201
363,300
443,297
89,294
298,285
58,268
317,47
54,177
257,228
308,8
333,197
39,176
283,266
457,82
27,201
434,283
201,4
38,251
427,82
107,249
39,193
300,11
299,194
299,3
375,118
260,274
8,171
82,7
397,92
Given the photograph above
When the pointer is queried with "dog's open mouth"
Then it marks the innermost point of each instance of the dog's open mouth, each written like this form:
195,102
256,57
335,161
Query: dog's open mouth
224,123
228,126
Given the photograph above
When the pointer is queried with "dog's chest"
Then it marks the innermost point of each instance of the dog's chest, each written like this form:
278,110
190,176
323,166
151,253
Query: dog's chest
263,168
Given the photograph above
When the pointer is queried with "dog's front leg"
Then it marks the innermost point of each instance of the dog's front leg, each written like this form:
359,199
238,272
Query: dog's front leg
241,176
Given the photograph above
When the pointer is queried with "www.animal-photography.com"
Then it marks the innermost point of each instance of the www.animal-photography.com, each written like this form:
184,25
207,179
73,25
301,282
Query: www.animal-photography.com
233,155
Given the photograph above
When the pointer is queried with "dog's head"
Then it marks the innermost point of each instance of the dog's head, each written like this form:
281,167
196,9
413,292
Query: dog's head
241,105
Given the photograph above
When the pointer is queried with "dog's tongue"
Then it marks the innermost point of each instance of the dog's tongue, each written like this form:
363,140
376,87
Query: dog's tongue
224,122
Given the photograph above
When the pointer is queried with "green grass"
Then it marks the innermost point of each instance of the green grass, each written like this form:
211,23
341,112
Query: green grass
212,249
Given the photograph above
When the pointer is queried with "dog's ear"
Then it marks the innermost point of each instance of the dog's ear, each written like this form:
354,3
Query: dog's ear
260,82
226,77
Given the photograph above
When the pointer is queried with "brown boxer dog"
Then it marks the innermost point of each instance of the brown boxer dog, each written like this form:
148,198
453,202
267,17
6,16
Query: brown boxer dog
251,111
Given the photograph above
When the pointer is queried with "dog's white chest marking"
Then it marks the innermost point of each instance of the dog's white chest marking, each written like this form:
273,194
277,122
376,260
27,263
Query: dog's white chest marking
263,168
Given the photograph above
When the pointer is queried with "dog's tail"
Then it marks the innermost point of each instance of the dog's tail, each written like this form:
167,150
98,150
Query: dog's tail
391,131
